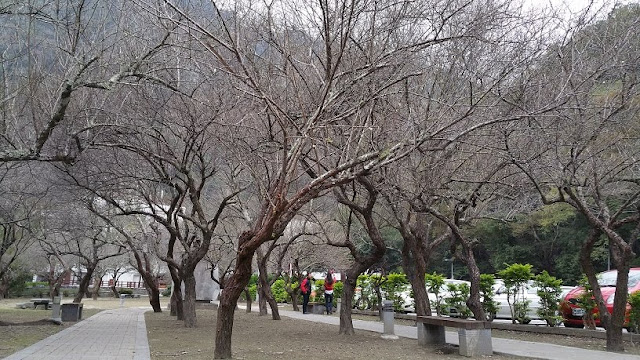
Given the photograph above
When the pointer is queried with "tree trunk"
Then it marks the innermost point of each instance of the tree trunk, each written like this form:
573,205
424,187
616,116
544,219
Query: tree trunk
97,281
176,294
4,289
84,284
265,289
154,299
224,326
616,322
150,283
474,303
294,299
415,273
275,313
468,258
114,290
346,323
262,299
247,294
176,302
189,304
228,302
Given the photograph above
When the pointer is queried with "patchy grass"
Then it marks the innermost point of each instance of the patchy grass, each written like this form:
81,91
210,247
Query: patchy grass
20,328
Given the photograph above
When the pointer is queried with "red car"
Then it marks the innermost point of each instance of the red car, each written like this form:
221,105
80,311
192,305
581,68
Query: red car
572,313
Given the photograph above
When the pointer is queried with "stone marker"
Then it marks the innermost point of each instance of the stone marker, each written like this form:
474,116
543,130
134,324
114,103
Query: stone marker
388,318
55,310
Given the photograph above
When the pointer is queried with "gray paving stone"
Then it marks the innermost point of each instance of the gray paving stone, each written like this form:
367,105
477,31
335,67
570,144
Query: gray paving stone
110,334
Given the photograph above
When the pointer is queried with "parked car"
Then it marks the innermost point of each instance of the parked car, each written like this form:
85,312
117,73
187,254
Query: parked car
443,293
530,292
570,309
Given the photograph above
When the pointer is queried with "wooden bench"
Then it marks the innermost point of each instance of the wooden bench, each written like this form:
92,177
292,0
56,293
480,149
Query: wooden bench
474,336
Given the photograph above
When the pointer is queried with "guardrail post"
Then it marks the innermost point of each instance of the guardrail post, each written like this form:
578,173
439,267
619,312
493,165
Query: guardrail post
388,320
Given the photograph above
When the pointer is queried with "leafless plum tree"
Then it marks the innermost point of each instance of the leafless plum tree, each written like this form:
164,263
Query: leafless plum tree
59,65
314,78
585,153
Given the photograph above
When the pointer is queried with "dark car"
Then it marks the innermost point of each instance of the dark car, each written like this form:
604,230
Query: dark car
572,313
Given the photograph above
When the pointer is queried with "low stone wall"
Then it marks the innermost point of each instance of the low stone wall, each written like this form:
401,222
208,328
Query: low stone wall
538,329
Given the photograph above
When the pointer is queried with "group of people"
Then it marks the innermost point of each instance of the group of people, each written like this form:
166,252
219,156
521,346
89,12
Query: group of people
305,288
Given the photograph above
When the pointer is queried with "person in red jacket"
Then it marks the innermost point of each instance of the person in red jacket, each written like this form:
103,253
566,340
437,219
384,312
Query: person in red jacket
305,288
329,281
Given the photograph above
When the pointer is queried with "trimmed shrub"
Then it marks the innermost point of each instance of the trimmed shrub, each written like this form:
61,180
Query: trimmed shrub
634,314
489,305
279,292
549,293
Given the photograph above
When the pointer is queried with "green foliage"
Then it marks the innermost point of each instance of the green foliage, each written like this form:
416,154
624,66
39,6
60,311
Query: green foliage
392,287
434,283
367,298
39,293
489,305
458,300
167,291
35,284
557,227
318,290
516,274
338,287
125,291
634,314
253,291
549,293
279,291
515,277
19,284
588,303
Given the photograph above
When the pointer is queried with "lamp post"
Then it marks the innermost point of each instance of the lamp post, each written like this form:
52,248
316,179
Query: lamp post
451,261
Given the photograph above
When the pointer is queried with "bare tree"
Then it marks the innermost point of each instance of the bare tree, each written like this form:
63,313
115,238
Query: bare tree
583,154
314,82
19,214
140,244
60,58
363,259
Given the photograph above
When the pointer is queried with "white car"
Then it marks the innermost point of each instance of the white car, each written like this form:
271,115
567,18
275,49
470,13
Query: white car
529,293
443,293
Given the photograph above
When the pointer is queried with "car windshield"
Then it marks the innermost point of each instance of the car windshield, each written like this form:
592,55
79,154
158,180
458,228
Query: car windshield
609,278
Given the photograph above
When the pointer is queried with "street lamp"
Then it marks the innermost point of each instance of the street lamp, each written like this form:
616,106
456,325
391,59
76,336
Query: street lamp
451,261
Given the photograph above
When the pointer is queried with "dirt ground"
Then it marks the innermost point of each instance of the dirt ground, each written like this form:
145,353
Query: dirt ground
254,336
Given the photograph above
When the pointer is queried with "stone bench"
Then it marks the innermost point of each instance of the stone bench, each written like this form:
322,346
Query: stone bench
316,308
44,302
474,336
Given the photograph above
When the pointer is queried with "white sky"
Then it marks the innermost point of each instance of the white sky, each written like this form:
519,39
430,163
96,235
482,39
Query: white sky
576,5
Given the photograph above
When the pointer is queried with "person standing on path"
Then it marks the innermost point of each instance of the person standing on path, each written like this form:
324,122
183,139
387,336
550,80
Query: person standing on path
329,281
305,287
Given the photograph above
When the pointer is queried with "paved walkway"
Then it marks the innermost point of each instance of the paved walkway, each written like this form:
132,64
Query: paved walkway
108,335
500,346
122,334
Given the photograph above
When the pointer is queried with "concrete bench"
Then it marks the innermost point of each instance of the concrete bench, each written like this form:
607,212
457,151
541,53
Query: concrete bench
45,302
474,336
316,308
